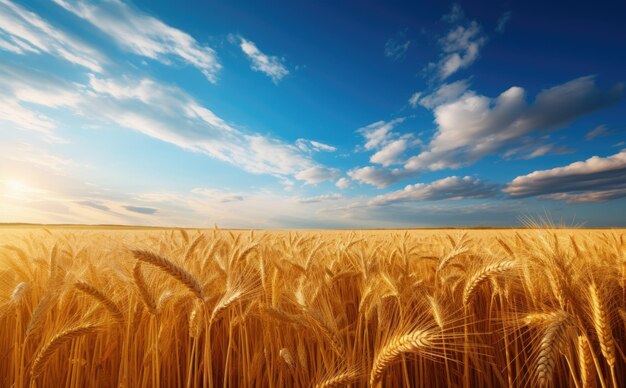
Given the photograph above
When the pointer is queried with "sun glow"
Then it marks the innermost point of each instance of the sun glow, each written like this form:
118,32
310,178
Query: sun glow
17,189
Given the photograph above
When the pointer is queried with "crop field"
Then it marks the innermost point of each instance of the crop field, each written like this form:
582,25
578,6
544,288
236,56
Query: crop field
107,307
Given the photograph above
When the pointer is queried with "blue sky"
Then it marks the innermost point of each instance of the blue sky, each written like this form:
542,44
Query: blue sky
312,114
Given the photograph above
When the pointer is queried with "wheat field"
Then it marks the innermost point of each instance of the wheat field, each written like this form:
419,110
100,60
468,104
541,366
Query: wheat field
119,307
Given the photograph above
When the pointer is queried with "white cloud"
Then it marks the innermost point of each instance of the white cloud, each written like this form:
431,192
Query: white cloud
593,180
461,47
474,126
169,114
390,153
450,188
444,94
378,133
314,146
160,111
379,177
271,66
414,100
145,35
317,174
23,31
23,93
25,119
343,183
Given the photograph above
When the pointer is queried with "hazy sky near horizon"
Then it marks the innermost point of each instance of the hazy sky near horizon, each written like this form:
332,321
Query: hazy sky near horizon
312,114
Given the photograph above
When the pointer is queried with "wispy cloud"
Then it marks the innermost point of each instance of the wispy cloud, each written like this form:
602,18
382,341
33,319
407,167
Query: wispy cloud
321,198
455,15
599,131
460,46
140,209
314,146
145,35
271,66
160,111
396,47
23,31
502,21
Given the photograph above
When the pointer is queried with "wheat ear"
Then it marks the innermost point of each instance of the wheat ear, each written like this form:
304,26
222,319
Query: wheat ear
172,269
142,286
585,362
484,274
55,343
287,358
602,325
551,344
414,342
103,299
339,379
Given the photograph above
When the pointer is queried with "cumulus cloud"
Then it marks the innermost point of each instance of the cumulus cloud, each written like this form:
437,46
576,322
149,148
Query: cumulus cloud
378,133
23,31
396,47
343,183
145,35
450,188
473,126
318,174
390,153
271,66
389,145
596,179
377,176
